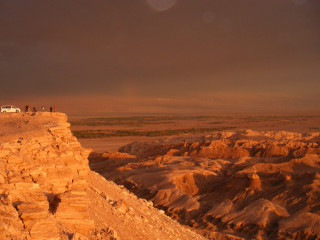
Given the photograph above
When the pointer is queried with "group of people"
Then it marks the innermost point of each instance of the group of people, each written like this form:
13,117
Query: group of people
27,109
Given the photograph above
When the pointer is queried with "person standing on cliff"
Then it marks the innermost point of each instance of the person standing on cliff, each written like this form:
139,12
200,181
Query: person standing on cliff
50,109
54,108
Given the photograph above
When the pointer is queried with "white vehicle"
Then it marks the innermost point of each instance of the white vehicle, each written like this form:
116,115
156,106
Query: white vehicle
9,109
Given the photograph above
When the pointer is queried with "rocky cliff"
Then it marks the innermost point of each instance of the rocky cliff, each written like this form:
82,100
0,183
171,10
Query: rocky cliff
48,191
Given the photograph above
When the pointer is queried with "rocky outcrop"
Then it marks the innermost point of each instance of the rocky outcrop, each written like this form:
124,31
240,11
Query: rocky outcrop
300,226
47,190
44,182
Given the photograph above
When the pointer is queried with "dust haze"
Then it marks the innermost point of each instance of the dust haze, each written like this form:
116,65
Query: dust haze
230,55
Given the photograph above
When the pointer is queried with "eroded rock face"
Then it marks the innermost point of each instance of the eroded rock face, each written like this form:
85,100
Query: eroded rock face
231,145
47,190
44,182
229,185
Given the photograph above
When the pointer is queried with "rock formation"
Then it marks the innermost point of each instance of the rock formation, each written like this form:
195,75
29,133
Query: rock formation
228,185
48,191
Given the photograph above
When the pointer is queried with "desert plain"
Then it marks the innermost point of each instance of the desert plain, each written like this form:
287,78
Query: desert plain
109,133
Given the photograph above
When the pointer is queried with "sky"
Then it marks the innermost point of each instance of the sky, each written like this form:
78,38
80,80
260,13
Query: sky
161,56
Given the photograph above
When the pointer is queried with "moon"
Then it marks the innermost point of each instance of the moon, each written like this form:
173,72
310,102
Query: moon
161,5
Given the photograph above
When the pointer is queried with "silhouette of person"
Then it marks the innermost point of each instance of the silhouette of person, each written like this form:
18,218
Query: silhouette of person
50,109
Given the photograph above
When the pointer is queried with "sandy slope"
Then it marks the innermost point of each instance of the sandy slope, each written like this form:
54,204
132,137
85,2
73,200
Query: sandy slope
131,218
227,185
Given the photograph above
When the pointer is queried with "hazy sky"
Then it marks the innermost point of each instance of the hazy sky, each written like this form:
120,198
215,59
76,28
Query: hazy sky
174,54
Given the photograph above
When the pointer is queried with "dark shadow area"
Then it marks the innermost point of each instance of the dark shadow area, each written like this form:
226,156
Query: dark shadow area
54,202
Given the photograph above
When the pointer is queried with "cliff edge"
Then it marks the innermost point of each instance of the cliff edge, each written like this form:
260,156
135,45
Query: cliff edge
47,190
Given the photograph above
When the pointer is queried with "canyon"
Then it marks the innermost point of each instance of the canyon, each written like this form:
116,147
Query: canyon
226,185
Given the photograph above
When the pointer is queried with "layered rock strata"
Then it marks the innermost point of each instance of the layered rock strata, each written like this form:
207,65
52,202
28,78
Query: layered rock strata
44,182
47,190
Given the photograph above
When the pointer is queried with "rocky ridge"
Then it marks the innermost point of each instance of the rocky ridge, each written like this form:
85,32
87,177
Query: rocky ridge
47,190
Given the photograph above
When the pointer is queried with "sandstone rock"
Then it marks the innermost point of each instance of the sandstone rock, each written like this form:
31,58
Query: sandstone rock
260,213
2,179
255,182
72,211
300,224
38,164
78,236
44,229
220,210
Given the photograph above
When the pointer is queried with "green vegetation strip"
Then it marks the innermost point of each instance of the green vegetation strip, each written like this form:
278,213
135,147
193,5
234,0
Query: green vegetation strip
134,121
148,120
126,133
116,123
